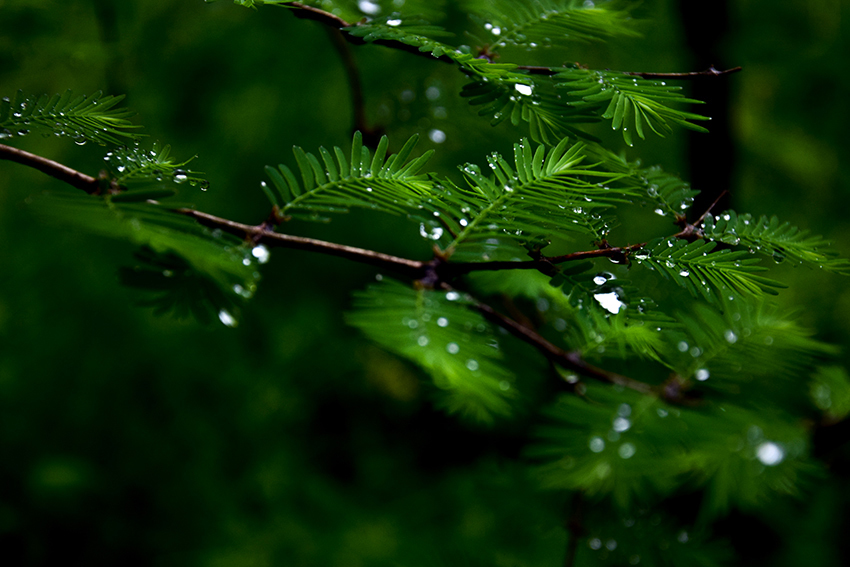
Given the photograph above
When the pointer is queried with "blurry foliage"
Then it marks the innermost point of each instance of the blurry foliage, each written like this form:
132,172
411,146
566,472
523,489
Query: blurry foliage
134,439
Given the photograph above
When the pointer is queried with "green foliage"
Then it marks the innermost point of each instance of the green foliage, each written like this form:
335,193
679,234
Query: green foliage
379,182
93,118
182,266
631,103
440,332
774,239
549,23
650,374
696,267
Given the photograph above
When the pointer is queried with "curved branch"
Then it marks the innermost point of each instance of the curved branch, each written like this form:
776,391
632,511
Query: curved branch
569,360
54,169
709,73
261,234
543,264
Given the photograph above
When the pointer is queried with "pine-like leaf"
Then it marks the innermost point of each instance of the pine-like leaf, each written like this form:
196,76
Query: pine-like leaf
633,447
540,197
521,99
389,184
749,350
779,241
92,118
179,256
544,23
703,272
632,103
132,165
439,331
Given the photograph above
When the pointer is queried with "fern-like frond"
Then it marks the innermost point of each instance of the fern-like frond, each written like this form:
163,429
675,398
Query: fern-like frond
336,183
667,193
181,256
521,99
830,391
133,165
409,31
93,118
439,331
703,272
631,103
630,447
779,241
541,196
747,349
544,23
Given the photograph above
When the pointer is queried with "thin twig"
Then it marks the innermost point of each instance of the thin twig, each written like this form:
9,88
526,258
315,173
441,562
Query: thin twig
709,73
569,360
575,530
61,172
261,234
544,264
351,72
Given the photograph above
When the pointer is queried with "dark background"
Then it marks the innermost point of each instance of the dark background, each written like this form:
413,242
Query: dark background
131,439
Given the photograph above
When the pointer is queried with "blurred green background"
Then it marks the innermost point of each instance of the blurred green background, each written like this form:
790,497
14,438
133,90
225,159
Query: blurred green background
136,440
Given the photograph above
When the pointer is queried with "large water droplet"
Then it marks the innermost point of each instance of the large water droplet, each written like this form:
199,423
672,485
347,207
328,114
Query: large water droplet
770,453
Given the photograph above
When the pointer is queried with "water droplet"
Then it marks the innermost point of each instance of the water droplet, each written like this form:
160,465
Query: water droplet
730,336
626,450
226,318
682,537
433,234
368,7
422,340
5,134
621,424
770,453
437,136
594,543
682,346
609,301
597,444
523,89
261,253
23,132
625,410
611,544
179,176
504,385
702,374
662,412
394,22
452,348
443,322
496,31
472,364
684,273
660,212
452,295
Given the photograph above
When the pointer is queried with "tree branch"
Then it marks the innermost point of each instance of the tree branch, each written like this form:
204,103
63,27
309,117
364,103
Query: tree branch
709,73
54,169
261,234
543,264
568,360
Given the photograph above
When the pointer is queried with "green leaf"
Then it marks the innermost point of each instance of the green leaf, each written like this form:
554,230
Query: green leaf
391,185
779,241
94,118
442,333
187,267
704,272
536,198
629,101
830,391
545,23
133,166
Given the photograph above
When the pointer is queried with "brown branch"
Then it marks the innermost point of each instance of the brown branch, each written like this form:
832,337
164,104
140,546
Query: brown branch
310,13
709,73
568,360
54,169
261,234
575,530
543,264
